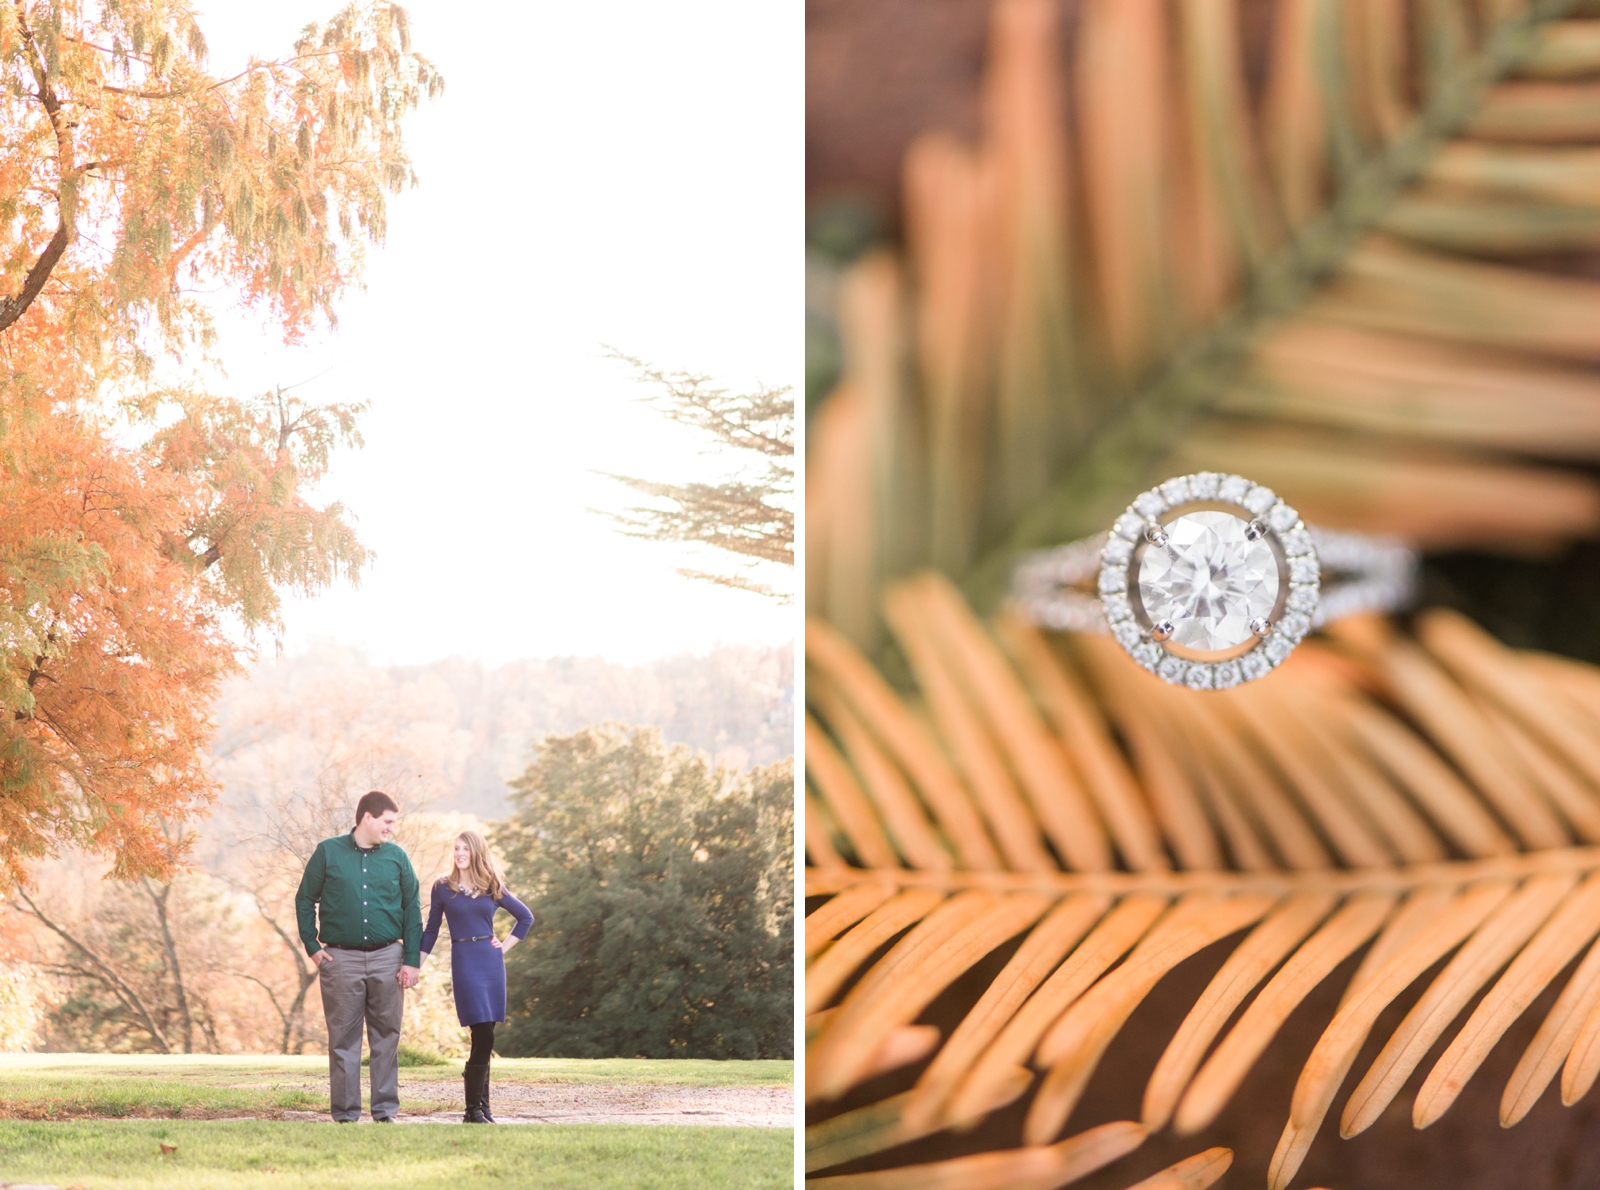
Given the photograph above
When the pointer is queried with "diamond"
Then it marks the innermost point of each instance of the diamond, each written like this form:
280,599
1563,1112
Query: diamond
1225,675
1127,633
1294,625
1210,580
1150,504
1113,578
1118,550
1278,646
1258,499
1254,664
1302,598
1148,654
1297,542
1282,517
1116,606
1232,489
1204,485
1199,677
1129,526
1304,569
1173,670
1176,491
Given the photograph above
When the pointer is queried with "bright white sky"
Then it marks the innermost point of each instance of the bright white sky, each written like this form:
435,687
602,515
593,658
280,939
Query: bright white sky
610,173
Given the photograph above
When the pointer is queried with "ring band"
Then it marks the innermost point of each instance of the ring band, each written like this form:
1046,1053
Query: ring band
1210,580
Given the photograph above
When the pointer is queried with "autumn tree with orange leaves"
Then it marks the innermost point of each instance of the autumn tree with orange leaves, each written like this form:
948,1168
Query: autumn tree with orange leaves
142,517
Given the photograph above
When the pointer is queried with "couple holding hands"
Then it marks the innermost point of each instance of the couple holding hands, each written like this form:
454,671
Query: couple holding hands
361,922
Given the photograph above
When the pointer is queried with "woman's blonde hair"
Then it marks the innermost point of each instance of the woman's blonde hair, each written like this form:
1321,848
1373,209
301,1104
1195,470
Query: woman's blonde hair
484,871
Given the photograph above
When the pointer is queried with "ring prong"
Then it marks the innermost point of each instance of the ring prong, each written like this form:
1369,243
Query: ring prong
1162,630
1261,626
1255,531
1155,534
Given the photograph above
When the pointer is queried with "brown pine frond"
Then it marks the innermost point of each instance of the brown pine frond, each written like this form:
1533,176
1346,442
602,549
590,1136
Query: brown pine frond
1361,281
1380,792
1192,1173
1039,1167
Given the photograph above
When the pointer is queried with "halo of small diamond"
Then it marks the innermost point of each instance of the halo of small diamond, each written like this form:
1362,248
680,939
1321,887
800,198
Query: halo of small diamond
1253,502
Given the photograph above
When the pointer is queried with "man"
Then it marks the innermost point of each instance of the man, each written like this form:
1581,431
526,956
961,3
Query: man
367,947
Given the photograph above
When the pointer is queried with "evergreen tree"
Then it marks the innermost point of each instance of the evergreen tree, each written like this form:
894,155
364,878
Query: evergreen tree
749,514
662,890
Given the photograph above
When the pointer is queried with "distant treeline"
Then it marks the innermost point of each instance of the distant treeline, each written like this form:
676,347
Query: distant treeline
452,734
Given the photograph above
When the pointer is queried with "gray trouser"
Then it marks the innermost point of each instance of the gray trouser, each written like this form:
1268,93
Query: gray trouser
357,986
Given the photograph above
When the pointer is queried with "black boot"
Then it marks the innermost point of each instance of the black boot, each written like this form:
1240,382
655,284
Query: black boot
475,1080
483,1099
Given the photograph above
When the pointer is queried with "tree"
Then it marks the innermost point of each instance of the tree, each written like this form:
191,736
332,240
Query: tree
146,516
138,969
662,895
749,516
126,163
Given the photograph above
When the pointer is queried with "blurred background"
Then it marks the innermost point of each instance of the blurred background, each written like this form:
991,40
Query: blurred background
1030,226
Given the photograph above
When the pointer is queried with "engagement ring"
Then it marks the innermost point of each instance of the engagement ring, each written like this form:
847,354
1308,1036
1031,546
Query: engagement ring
1210,580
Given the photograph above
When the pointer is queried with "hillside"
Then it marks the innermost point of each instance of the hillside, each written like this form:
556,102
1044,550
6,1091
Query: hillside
446,736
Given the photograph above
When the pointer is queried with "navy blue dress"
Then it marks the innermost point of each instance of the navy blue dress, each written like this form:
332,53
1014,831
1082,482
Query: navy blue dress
477,969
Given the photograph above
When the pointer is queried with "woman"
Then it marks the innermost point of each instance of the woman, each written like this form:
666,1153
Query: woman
468,898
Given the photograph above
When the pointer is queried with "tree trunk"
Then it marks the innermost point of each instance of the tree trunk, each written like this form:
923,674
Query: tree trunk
297,1015
159,900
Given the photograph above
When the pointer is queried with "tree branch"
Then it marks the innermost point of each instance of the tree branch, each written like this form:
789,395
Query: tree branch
271,995
12,308
213,85
126,993
305,971
160,903
183,249
737,583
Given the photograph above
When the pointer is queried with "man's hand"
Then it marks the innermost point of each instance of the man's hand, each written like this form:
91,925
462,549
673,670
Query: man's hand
321,957
409,977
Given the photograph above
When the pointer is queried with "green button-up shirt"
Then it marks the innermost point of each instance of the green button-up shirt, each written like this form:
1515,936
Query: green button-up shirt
366,897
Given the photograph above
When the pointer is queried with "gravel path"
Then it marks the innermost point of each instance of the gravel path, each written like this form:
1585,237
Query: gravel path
581,1103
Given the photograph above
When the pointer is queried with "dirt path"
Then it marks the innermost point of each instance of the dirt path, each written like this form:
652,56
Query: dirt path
581,1103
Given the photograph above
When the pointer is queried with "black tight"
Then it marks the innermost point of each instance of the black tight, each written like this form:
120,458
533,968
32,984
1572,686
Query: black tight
482,1042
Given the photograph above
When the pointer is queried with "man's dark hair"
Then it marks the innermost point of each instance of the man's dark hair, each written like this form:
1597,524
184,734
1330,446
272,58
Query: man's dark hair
376,802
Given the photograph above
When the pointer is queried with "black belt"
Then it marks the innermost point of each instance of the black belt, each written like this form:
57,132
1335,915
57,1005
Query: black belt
374,946
479,938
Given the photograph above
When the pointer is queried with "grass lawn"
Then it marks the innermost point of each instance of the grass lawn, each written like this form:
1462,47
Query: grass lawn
64,1086
127,1155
